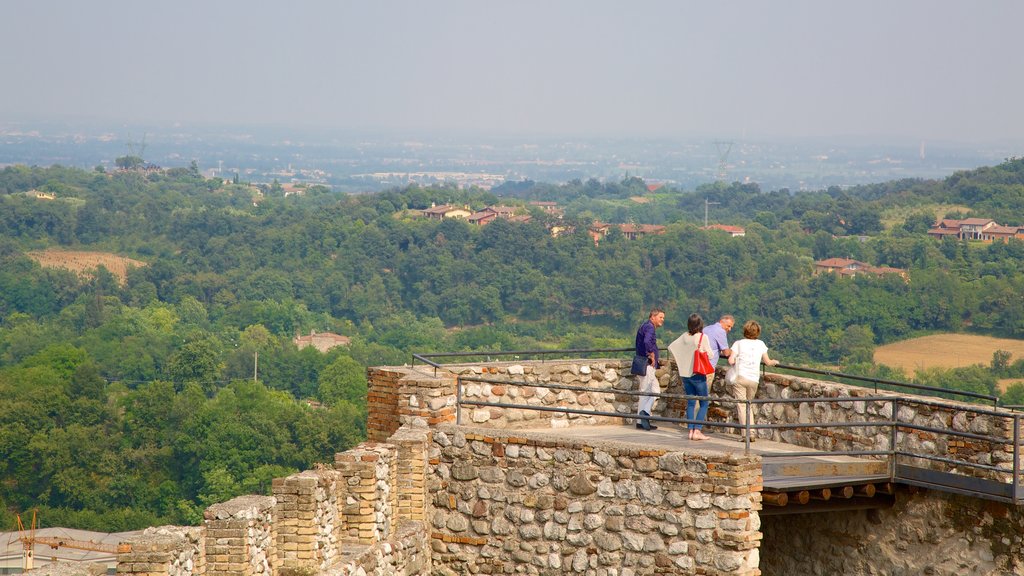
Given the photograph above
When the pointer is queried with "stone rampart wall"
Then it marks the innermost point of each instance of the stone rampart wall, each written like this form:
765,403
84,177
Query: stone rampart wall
508,502
164,550
430,399
364,517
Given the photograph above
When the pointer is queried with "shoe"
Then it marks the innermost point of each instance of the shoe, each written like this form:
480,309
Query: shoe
645,422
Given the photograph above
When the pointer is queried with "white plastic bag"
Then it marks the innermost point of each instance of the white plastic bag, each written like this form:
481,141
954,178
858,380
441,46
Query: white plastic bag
730,375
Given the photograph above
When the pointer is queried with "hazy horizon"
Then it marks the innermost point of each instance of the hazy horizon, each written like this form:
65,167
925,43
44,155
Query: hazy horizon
908,71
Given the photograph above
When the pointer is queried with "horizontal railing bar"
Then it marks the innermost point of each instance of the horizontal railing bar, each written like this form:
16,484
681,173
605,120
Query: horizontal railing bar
566,410
951,432
524,352
797,425
959,407
831,453
835,374
954,462
832,373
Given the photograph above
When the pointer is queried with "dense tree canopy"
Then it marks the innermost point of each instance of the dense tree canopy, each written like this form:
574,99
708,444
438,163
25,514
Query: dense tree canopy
130,404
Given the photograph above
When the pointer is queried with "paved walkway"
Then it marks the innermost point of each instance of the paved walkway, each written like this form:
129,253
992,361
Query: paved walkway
782,473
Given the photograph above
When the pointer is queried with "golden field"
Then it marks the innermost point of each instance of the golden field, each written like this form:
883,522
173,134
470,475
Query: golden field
84,263
945,351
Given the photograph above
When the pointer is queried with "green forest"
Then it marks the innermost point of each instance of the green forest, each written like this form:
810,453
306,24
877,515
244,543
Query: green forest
129,404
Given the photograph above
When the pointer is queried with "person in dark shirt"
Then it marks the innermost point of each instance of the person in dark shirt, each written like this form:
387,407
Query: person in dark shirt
647,346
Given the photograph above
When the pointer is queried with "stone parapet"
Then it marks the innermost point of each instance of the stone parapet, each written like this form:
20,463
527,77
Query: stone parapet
309,527
170,550
368,499
401,396
241,537
415,395
411,490
509,502
406,554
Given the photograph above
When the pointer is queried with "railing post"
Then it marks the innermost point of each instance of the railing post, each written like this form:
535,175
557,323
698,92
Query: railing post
458,401
1016,457
892,440
746,431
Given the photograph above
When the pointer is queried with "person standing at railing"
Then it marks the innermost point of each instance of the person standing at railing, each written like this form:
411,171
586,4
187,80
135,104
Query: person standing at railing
718,334
647,347
747,356
694,383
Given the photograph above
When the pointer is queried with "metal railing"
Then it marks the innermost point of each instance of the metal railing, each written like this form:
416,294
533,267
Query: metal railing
894,452
970,485
427,358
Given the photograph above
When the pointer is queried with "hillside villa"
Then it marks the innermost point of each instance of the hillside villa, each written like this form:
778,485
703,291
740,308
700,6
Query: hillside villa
983,229
733,231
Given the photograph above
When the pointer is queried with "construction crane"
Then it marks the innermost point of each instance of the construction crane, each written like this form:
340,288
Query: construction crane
29,539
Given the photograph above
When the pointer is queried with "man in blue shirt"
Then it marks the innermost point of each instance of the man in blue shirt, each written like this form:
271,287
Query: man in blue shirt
647,346
717,335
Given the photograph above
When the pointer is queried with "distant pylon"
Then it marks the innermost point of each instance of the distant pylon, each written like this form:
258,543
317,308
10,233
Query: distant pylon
723,147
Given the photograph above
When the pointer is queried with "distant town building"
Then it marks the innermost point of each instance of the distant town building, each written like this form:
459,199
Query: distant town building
322,341
850,268
447,211
634,231
488,214
599,230
983,229
549,207
734,231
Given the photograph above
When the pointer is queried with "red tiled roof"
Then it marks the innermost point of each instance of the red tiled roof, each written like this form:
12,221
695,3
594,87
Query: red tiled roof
727,228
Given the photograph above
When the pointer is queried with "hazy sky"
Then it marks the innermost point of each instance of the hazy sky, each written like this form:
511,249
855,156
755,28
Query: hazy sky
918,69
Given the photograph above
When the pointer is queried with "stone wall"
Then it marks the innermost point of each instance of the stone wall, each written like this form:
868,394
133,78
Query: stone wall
925,533
309,522
415,395
506,501
164,550
364,517
407,554
241,536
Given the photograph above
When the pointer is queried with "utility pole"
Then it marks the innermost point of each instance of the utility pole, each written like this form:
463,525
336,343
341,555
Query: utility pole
255,365
706,204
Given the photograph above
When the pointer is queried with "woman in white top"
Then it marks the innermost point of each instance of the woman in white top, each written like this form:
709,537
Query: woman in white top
747,356
694,384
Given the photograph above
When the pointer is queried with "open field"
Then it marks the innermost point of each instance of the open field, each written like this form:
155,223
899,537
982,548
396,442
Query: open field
896,216
945,351
1005,383
85,263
